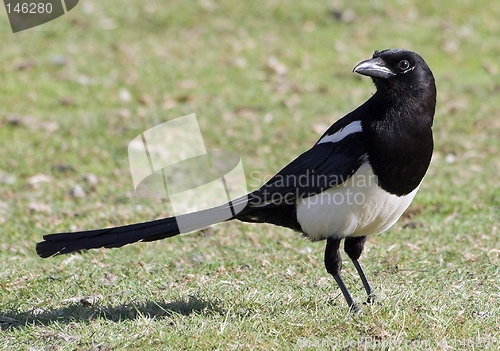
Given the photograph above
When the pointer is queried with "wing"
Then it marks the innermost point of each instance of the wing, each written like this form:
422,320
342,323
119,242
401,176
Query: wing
326,165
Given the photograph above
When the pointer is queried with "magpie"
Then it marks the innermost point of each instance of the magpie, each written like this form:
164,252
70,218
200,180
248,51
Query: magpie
357,180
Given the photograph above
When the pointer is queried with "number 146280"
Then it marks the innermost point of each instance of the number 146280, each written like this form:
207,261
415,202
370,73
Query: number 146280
29,7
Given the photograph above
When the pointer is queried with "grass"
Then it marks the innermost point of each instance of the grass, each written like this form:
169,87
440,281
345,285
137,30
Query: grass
264,78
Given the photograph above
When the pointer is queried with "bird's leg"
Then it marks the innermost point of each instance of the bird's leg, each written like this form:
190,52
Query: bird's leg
333,264
353,248
369,291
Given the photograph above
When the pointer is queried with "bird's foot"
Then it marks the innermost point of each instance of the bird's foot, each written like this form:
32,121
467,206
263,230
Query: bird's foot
354,308
372,298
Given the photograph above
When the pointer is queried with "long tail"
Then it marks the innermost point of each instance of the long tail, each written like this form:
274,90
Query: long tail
63,243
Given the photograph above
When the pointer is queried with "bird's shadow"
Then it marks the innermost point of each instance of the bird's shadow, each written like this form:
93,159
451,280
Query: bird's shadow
85,312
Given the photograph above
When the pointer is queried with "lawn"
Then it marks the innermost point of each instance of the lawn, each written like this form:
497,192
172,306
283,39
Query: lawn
265,79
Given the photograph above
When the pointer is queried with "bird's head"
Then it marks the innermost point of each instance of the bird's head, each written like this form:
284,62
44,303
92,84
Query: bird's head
398,71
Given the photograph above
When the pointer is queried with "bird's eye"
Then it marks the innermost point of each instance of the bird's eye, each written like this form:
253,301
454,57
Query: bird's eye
403,65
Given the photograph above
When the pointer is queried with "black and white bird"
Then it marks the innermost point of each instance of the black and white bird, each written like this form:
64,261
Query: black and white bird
357,180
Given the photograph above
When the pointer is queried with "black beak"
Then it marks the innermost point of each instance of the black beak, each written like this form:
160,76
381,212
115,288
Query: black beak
374,67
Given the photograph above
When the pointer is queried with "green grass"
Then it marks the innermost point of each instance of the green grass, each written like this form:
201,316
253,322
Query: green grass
238,286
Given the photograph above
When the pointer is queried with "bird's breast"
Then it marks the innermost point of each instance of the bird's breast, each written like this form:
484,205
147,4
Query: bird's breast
357,207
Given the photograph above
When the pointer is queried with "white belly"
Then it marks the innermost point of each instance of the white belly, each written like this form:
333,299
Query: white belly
358,207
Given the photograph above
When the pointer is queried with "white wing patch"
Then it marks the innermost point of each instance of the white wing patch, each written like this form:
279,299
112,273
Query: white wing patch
351,128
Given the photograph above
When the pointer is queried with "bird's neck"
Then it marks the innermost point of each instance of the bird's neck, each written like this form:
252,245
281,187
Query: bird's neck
399,141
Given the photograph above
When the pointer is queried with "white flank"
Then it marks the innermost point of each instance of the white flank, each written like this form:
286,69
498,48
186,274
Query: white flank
351,128
358,207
